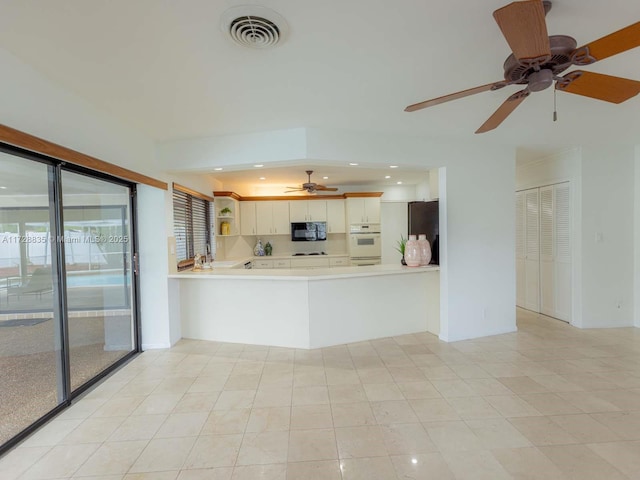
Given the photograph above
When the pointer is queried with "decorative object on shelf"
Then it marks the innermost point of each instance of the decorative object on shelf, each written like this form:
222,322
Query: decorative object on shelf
425,250
225,228
226,212
412,252
268,249
258,250
400,247
197,262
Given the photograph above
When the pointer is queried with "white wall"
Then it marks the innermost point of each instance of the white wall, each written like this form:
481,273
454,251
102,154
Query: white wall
394,217
33,104
154,291
607,236
636,236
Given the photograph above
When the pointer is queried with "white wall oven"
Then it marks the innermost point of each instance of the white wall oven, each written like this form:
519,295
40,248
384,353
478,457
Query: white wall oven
364,244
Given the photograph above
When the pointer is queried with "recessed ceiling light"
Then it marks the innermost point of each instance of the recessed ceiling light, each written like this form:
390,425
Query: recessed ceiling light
259,165
399,183
325,178
387,176
393,166
3,188
217,169
263,178
353,164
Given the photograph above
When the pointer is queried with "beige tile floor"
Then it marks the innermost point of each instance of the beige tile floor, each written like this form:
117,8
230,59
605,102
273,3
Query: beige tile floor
548,402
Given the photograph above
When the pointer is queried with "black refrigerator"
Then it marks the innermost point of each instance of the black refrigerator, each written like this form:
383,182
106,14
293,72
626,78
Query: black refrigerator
423,219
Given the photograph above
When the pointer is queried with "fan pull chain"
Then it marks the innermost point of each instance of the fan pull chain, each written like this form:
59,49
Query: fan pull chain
555,111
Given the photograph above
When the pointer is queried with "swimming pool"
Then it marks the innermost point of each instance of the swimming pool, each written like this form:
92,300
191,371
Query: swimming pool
97,279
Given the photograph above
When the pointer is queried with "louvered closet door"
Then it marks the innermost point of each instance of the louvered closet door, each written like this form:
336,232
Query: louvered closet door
520,249
532,249
547,254
562,250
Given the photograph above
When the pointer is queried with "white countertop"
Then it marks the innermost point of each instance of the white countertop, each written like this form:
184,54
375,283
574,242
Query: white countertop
230,273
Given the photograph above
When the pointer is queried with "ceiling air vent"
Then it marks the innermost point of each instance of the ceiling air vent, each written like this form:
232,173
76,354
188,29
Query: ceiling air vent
254,26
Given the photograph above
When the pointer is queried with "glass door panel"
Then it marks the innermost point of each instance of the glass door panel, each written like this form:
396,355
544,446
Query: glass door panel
98,253
31,372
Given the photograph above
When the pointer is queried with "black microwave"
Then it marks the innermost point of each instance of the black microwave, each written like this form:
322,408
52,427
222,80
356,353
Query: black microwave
308,231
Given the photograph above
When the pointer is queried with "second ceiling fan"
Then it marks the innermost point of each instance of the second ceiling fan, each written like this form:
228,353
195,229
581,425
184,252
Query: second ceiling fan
311,187
538,59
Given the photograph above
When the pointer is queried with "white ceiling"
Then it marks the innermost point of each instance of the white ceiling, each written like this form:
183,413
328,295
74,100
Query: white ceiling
166,68
338,176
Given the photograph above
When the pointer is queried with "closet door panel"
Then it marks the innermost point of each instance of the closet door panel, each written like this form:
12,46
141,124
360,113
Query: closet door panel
520,250
532,249
562,250
547,267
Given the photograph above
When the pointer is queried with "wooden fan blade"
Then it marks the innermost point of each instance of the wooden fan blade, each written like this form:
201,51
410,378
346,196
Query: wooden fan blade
326,189
613,44
599,86
524,28
454,96
509,105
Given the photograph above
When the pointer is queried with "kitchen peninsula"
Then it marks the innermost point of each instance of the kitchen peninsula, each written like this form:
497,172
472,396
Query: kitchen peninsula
305,308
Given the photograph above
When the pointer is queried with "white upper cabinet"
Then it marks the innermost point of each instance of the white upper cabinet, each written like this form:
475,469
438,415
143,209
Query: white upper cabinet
363,210
281,224
336,217
248,218
308,211
272,218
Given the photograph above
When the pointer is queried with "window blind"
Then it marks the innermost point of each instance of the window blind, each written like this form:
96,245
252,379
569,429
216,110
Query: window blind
192,220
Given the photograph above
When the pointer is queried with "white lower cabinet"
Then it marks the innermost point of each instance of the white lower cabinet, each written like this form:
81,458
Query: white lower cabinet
339,262
262,263
309,262
282,263
301,262
271,263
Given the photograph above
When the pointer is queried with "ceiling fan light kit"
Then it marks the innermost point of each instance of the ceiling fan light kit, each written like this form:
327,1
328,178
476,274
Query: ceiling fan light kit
538,60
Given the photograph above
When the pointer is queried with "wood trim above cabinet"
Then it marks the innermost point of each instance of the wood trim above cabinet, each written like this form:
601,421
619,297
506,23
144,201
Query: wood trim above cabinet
235,196
362,194
20,139
293,197
193,193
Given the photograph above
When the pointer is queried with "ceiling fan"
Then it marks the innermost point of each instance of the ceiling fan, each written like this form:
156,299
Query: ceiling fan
311,187
538,59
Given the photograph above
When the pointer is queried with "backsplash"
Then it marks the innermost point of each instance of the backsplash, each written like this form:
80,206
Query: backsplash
242,246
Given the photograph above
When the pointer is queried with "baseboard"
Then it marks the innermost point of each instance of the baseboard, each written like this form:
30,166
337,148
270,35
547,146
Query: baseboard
449,339
155,346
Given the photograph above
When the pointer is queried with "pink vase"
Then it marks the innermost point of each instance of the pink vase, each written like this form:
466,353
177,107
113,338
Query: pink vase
412,252
425,250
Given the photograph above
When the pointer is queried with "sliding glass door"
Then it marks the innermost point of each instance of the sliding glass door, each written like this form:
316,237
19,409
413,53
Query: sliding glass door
31,361
67,290
98,253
